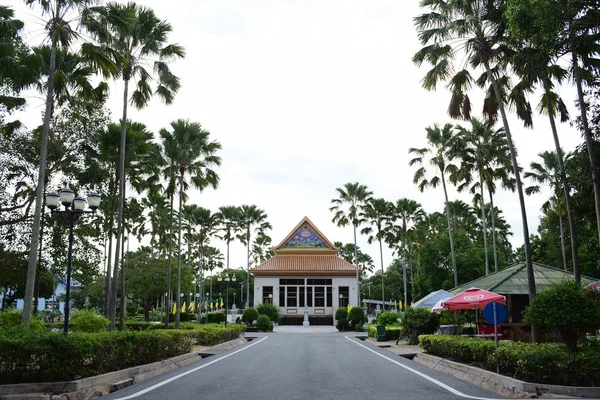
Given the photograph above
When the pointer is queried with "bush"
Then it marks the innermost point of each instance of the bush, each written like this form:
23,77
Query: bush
133,325
264,323
342,324
356,316
183,317
569,308
250,315
341,313
12,318
214,318
270,310
88,321
417,321
465,349
388,318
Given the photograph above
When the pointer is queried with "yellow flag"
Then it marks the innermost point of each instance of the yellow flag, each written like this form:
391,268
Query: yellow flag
221,303
348,308
400,304
174,308
211,305
183,307
191,307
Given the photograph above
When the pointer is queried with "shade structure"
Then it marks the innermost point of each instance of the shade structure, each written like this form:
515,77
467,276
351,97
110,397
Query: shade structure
472,298
432,299
438,307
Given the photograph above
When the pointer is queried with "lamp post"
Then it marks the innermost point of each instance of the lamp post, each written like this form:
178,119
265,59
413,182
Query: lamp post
242,295
74,208
227,279
341,296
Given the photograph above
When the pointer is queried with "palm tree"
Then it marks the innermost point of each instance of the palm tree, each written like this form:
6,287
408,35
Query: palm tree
61,36
192,154
473,26
355,196
547,173
407,213
251,217
481,150
261,248
230,227
213,260
140,43
441,142
377,212
536,68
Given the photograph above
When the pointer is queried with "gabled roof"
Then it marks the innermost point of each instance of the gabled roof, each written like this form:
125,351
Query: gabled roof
513,280
432,298
305,238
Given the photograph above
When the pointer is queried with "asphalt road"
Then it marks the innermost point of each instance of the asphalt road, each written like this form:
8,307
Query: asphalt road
297,366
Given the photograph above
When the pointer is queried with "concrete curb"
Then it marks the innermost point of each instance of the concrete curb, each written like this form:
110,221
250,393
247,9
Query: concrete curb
501,384
87,388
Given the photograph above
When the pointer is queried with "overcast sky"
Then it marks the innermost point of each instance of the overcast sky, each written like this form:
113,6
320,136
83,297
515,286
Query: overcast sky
308,95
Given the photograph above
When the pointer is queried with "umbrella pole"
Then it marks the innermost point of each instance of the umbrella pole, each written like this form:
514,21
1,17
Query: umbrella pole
496,337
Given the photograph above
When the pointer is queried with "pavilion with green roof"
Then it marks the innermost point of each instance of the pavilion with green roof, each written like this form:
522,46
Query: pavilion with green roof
512,283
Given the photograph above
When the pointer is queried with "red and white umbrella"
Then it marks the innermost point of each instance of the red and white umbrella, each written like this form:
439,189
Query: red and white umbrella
472,298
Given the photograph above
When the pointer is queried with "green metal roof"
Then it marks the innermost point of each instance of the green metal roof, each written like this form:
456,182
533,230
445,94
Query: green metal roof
513,280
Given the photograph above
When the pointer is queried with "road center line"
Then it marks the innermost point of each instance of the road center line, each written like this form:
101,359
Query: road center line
141,392
422,375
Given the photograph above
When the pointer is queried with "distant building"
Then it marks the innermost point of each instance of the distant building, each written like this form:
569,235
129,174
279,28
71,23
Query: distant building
306,274
52,303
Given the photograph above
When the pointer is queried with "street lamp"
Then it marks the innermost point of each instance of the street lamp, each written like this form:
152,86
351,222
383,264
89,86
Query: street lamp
242,295
271,297
227,278
341,296
74,208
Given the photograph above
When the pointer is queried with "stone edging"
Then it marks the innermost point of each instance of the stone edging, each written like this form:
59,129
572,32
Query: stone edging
501,384
99,385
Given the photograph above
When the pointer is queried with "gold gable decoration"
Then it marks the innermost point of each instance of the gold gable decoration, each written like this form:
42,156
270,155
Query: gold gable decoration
306,238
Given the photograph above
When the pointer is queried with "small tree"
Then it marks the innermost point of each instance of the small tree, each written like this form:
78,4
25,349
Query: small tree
264,323
569,308
270,310
250,315
356,316
419,321
388,318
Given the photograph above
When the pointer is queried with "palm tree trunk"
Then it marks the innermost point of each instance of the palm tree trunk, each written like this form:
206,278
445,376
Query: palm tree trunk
39,190
113,289
513,155
454,270
356,264
178,313
382,284
123,294
248,269
566,189
589,142
493,215
167,316
108,265
484,226
562,239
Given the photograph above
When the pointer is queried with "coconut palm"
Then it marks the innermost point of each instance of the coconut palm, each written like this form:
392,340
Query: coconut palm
140,43
547,172
261,248
378,213
474,27
537,69
61,35
192,154
441,142
355,196
251,217
407,213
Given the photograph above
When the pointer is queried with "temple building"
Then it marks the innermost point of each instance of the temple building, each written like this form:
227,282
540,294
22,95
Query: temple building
306,275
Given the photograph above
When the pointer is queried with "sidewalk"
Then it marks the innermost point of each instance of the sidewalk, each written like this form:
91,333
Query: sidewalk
401,349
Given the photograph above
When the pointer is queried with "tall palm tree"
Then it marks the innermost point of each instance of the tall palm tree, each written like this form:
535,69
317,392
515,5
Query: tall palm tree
140,43
547,172
407,213
260,248
377,212
230,228
61,36
475,27
537,69
355,196
251,217
213,259
192,154
441,142
481,151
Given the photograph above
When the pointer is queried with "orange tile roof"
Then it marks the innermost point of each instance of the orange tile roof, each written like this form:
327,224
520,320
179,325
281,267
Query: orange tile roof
305,265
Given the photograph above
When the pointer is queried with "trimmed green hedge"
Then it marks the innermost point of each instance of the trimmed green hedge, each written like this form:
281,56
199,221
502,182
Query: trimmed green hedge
33,356
539,363
392,332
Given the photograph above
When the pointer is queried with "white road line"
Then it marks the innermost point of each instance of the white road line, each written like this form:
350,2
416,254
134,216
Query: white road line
422,375
141,392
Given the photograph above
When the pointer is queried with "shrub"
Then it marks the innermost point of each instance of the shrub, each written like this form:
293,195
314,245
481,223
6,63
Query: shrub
214,318
183,317
88,321
264,323
356,316
341,313
133,325
465,349
569,308
12,318
270,310
417,321
250,315
388,318
342,325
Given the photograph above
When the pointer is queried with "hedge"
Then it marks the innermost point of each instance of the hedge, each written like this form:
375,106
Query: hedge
392,332
539,363
33,356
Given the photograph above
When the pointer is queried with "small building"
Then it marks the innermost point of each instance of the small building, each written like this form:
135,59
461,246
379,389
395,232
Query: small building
306,275
52,303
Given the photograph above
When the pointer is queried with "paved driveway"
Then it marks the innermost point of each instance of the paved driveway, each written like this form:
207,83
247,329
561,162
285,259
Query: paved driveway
300,366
